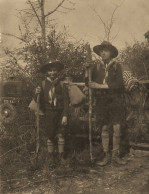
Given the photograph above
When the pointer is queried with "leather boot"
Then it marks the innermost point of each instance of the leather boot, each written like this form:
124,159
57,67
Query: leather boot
105,160
116,159
61,159
49,163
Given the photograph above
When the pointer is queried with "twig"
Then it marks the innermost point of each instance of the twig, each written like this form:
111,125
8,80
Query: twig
16,63
59,5
12,150
33,8
39,3
68,8
12,35
108,25
104,24
15,149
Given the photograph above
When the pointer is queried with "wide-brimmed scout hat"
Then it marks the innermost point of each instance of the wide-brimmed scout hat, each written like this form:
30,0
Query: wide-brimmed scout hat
105,44
52,64
146,34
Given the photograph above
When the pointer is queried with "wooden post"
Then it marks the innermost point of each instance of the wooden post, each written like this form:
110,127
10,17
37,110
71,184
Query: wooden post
89,59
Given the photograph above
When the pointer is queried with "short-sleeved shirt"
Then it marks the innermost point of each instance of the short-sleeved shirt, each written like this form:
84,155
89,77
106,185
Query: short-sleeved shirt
109,102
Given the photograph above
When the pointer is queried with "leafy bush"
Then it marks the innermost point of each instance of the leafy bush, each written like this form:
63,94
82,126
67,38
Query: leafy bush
136,58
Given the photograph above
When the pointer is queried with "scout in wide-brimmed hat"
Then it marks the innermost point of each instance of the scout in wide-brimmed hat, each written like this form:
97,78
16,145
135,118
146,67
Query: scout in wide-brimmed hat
54,102
109,108
50,65
106,45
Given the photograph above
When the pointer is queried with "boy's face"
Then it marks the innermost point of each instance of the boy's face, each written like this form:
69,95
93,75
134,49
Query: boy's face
105,54
52,73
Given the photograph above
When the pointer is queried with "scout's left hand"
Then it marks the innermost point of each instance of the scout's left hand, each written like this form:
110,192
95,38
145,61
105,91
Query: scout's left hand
85,90
64,120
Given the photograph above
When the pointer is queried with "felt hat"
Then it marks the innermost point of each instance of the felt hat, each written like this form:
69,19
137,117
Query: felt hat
105,44
52,64
146,34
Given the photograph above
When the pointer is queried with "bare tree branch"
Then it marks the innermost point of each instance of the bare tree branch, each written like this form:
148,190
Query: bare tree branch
114,37
34,10
101,20
59,5
39,3
20,31
93,9
12,35
112,20
108,25
12,150
25,25
68,8
62,11
26,12
112,16
71,3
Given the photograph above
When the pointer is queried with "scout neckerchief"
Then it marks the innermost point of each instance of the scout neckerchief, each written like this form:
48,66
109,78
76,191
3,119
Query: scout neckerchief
52,95
107,71
101,64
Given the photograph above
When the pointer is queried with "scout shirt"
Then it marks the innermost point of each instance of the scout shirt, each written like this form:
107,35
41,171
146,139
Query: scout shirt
59,100
109,102
114,79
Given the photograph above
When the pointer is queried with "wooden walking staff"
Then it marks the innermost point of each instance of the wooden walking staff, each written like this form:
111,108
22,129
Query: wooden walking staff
89,60
37,128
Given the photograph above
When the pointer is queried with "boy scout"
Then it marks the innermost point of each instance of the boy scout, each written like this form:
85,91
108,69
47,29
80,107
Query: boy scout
109,102
54,104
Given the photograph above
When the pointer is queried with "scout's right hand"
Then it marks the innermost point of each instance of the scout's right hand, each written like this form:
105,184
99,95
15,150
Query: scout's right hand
92,84
85,90
38,90
88,64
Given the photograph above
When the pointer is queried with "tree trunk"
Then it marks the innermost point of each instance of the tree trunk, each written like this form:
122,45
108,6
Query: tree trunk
43,26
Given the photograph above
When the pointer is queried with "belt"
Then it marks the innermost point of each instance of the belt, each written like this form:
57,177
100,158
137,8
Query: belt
52,107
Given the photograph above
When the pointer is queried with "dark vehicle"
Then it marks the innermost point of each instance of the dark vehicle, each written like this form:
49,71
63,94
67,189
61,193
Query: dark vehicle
10,96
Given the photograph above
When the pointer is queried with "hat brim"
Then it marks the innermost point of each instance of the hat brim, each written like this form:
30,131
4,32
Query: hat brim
114,52
146,34
58,65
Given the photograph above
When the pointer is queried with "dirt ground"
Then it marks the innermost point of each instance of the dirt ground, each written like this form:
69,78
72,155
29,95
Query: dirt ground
131,178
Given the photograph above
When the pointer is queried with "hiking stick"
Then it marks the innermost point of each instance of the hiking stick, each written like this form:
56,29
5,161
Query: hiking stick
37,129
89,59
145,71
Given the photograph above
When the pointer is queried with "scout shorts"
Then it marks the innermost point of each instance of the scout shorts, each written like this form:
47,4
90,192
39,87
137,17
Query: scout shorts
53,120
109,110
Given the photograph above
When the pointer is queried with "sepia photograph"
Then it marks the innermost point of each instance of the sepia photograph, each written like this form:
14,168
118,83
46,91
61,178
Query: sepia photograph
74,96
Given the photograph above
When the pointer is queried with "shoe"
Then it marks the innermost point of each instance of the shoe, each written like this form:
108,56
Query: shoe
116,159
105,160
50,160
61,160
